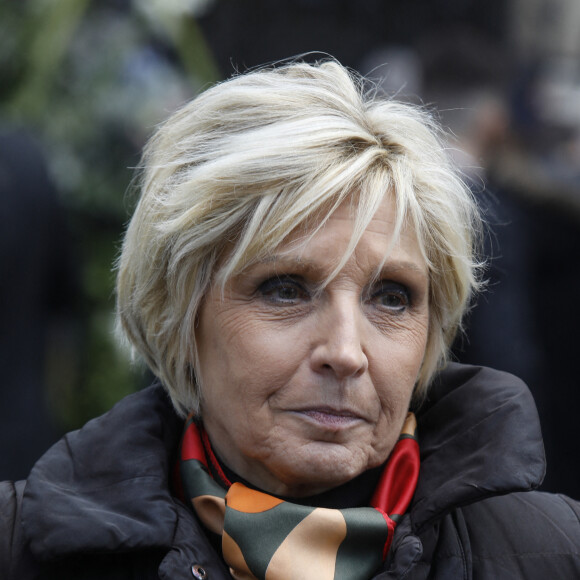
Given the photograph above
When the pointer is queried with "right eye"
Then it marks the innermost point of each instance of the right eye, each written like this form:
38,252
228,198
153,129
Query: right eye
391,296
283,290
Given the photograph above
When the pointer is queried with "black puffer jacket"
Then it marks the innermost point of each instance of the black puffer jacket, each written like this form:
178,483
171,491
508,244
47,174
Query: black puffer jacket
97,504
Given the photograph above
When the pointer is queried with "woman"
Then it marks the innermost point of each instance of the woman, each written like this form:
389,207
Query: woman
294,274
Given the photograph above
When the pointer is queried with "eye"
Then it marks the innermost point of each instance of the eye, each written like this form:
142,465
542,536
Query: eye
283,290
391,295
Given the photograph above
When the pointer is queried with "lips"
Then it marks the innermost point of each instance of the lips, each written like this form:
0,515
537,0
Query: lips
331,418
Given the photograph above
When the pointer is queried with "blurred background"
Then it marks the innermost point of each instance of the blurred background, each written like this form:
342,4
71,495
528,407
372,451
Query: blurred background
82,85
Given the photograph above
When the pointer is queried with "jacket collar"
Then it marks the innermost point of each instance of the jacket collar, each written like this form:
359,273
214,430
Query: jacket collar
479,435
106,487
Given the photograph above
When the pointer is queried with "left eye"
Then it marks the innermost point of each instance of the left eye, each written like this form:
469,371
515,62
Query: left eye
393,296
282,290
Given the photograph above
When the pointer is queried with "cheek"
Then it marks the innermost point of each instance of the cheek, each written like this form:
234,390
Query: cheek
395,373
242,363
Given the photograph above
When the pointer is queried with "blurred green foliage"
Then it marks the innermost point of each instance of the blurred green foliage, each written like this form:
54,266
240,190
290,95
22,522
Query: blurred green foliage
90,80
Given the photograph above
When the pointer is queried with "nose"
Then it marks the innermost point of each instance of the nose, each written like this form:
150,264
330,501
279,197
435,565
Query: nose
338,342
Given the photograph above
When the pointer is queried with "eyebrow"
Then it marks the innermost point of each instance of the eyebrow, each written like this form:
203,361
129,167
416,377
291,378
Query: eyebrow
310,265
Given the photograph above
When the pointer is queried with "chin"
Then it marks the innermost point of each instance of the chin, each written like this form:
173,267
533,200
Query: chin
317,475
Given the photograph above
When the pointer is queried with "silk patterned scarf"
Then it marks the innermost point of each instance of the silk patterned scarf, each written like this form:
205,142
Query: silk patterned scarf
267,538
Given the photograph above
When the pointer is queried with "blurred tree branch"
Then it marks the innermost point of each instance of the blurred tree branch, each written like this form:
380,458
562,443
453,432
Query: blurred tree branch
53,26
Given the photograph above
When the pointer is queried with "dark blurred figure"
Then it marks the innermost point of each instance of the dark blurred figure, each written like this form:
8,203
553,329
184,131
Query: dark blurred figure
526,321
539,181
37,288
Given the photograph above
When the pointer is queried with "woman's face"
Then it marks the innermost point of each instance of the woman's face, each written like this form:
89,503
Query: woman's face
304,391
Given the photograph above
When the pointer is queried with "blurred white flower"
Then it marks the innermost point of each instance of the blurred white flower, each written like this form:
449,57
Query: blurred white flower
154,9
166,16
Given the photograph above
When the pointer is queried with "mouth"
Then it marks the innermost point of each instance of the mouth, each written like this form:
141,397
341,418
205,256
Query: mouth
330,418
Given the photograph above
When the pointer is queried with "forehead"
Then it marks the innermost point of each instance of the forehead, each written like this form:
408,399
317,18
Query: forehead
336,240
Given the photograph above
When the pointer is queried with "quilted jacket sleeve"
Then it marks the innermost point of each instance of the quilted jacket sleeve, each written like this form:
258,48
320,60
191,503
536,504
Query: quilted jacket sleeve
525,535
16,561
573,505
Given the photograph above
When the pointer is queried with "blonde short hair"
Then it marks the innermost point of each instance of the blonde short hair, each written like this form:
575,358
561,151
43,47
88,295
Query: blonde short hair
248,161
